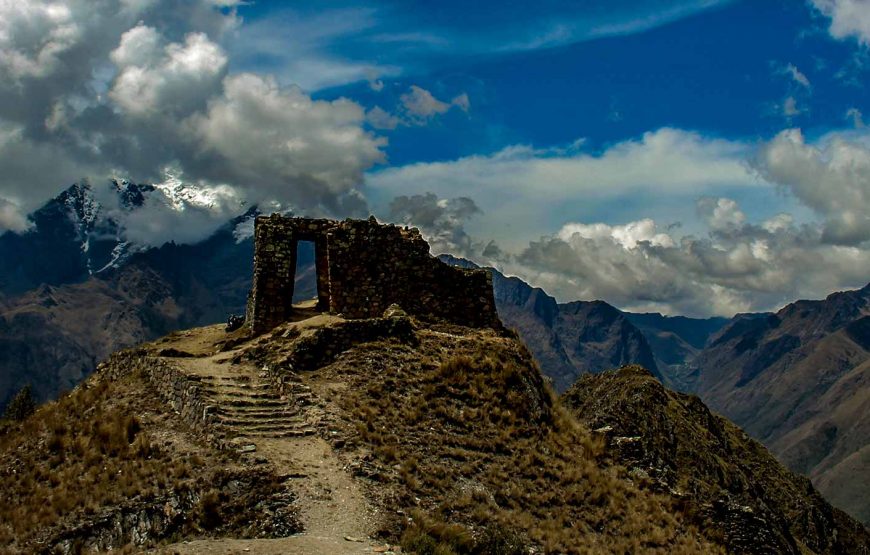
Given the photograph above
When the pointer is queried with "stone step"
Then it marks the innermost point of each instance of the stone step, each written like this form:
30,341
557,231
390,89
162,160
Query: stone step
255,411
249,423
229,393
274,427
237,378
253,403
255,387
277,434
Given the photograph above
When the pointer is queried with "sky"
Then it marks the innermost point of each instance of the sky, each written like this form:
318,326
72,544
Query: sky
697,157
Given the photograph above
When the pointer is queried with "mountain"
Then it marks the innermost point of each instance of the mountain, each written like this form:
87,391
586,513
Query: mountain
729,481
72,316
676,341
571,339
345,436
72,290
799,381
70,238
796,380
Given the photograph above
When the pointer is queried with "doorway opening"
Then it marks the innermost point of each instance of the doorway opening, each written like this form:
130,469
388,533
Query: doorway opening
305,283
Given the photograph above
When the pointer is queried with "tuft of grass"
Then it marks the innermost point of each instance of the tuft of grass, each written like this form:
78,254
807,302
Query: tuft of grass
471,438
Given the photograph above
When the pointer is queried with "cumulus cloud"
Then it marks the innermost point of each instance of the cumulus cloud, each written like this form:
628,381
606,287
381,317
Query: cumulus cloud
175,81
721,214
10,217
832,178
267,139
525,191
441,221
100,88
849,18
739,266
726,262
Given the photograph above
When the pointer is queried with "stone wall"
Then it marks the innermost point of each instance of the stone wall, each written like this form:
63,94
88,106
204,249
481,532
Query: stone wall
363,267
179,390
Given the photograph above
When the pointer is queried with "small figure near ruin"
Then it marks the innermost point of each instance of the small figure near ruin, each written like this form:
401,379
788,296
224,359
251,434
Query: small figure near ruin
363,268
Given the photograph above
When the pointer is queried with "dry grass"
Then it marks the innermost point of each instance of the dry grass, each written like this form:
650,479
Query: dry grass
465,433
105,445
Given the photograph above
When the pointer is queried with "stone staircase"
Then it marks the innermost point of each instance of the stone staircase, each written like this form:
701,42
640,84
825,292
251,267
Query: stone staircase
250,408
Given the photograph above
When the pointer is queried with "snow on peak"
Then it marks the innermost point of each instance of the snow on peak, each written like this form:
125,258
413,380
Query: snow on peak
181,195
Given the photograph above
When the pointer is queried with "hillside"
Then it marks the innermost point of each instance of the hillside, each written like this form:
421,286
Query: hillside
798,381
53,336
571,339
359,434
727,480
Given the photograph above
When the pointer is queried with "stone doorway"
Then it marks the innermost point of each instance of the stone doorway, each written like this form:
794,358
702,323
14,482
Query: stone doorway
309,254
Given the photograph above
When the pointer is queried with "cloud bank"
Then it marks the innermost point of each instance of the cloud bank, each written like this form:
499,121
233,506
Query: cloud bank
102,88
733,263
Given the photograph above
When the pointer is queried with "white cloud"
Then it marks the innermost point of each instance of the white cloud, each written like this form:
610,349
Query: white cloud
441,221
11,218
797,76
747,267
421,104
721,214
462,102
734,260
265,139
102,88
831,177
523,189
176,82
379,118
626,236
849,18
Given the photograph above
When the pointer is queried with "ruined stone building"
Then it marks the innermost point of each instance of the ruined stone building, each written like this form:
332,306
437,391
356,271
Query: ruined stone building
362,268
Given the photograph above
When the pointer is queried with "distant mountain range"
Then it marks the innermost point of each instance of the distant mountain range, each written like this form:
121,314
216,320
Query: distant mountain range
73,290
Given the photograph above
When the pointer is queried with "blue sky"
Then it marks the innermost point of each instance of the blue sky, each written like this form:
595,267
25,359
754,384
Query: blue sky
598,72
684,156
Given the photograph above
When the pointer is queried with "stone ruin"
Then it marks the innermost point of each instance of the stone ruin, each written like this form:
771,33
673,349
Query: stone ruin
363,268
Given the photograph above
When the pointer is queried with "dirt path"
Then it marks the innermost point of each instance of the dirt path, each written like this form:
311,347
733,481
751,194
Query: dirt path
336,516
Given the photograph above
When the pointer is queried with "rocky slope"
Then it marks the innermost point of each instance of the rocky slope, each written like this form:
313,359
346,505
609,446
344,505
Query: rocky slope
359,434
798,381
729,482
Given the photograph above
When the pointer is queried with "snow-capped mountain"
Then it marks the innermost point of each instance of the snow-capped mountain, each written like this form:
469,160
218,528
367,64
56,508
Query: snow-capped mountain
81,232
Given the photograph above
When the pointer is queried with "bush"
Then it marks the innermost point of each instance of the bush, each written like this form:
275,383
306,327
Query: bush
21,406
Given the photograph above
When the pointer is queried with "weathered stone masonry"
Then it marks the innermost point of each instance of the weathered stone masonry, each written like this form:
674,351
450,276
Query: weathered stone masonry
362,268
